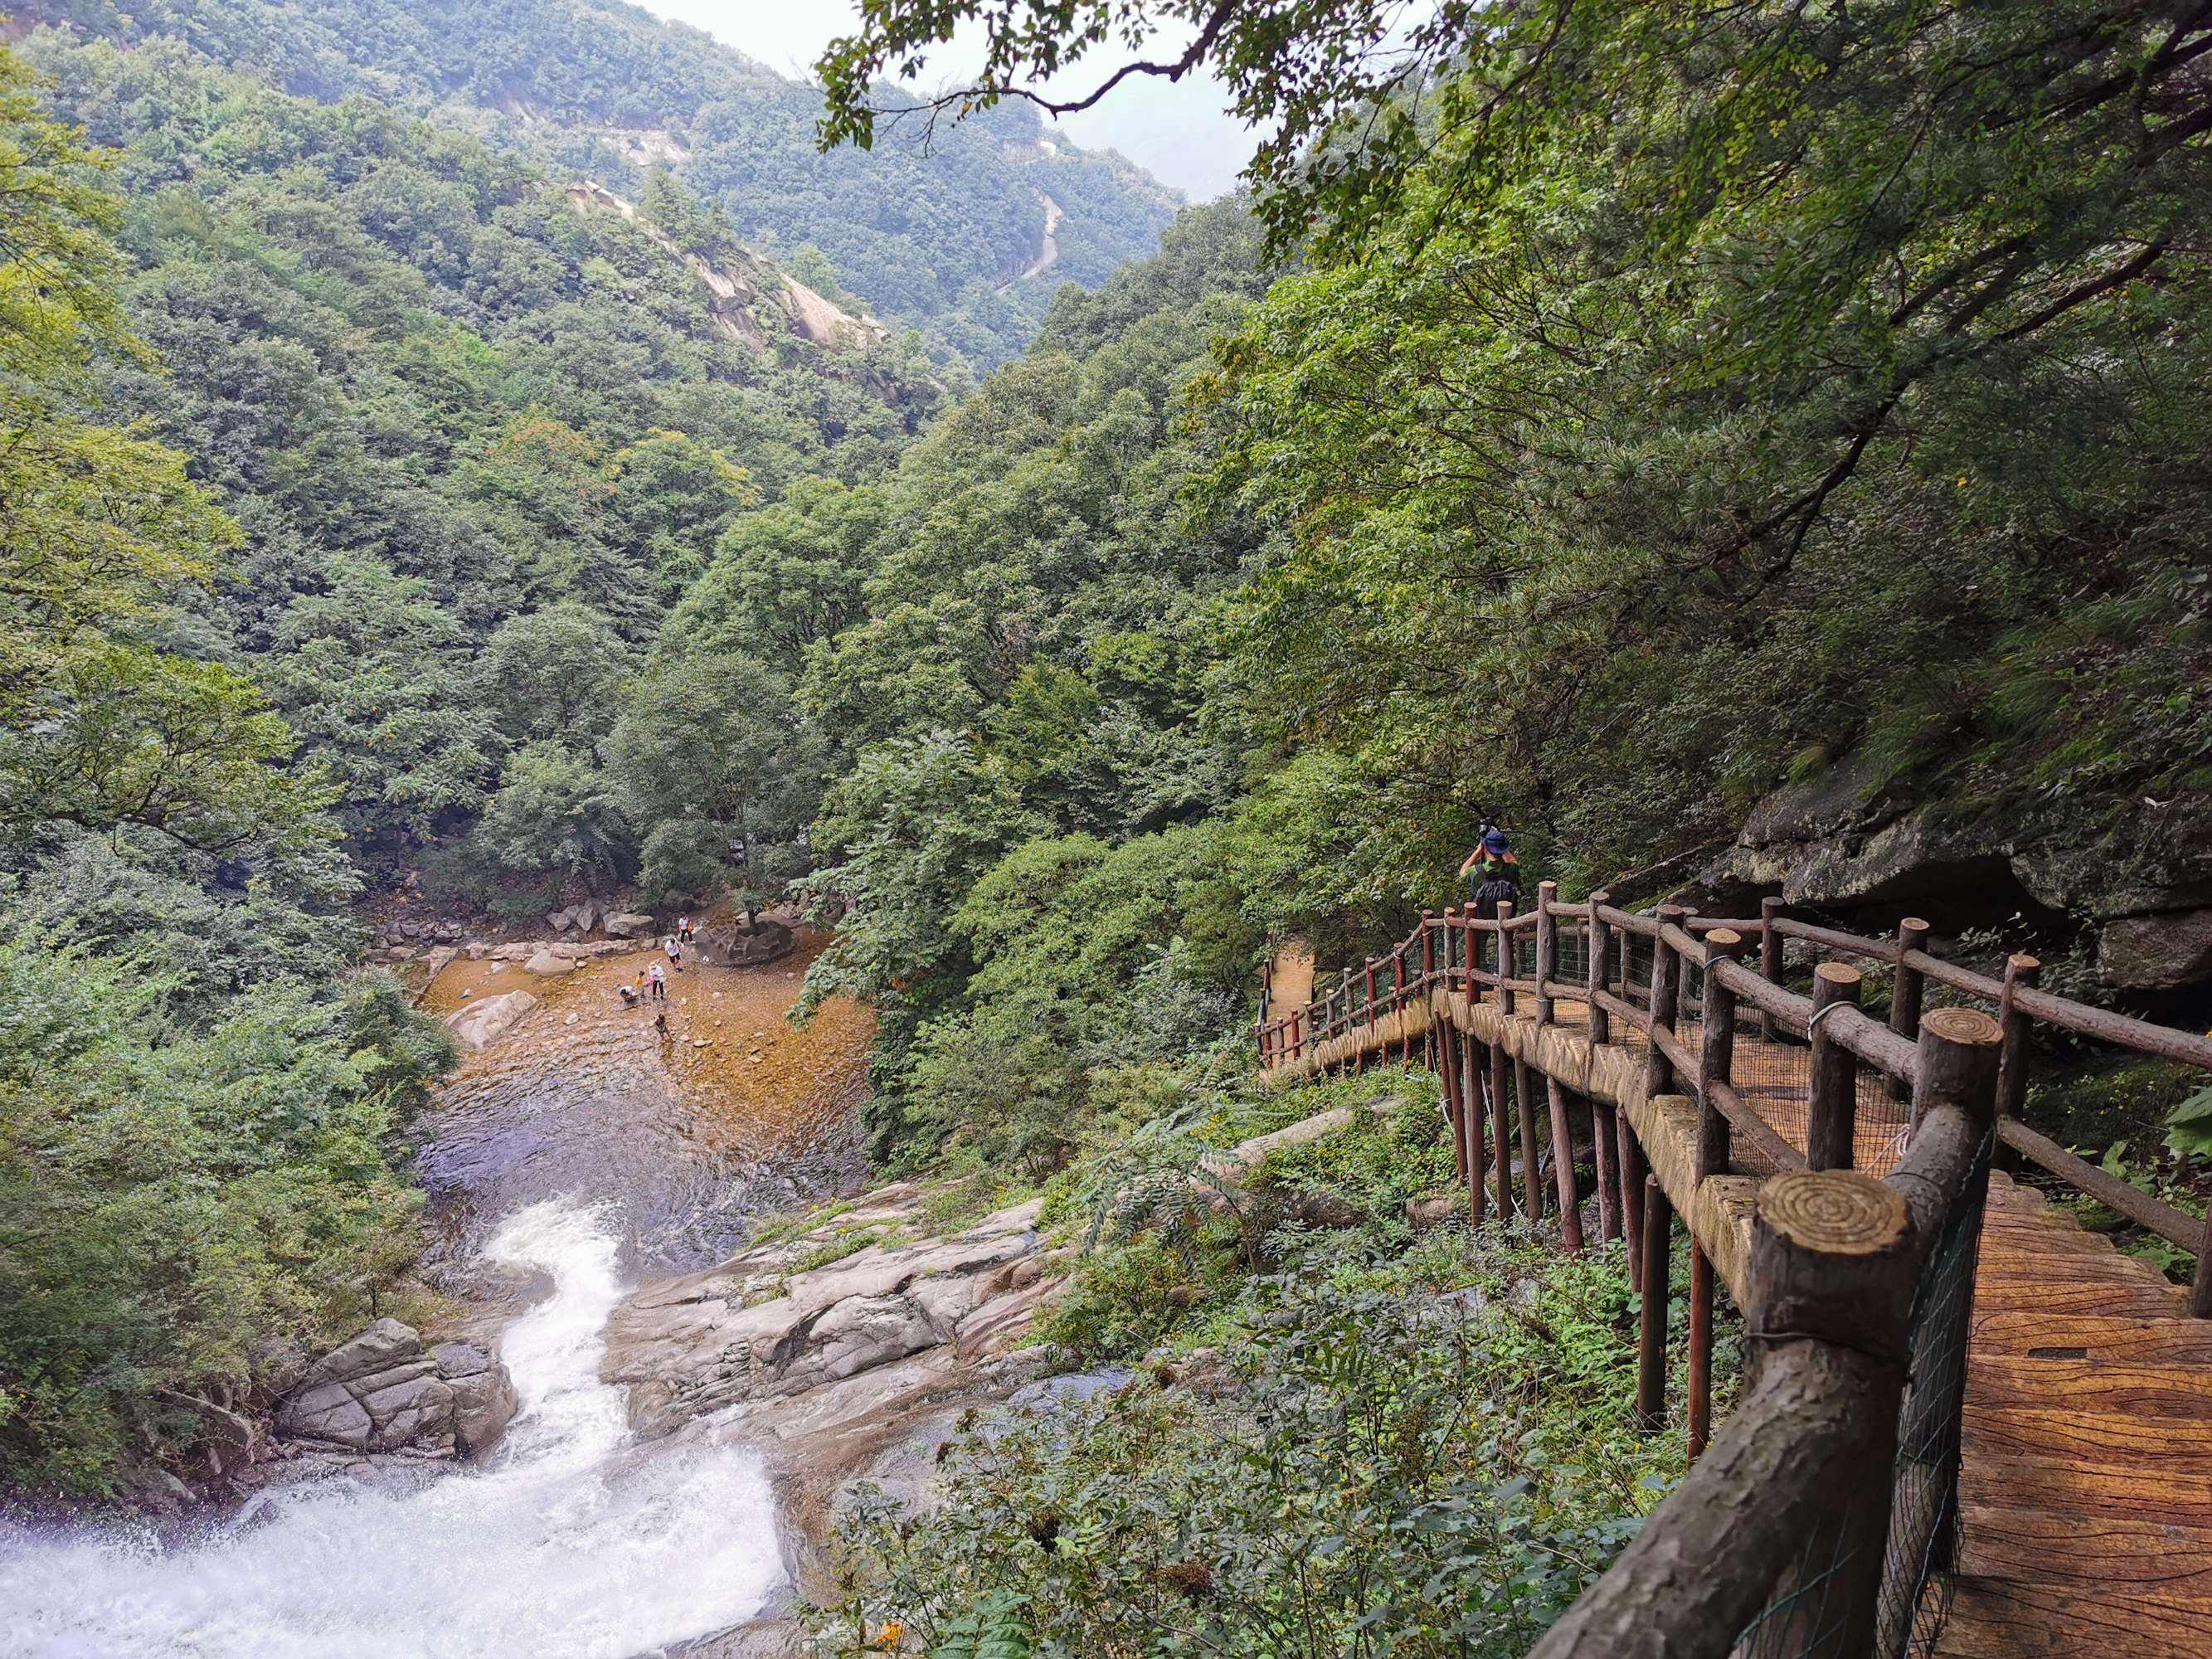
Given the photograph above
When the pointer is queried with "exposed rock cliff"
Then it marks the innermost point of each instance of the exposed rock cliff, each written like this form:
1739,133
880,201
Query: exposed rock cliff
1846,839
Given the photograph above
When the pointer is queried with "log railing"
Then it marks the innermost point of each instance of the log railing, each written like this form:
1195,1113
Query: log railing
1462,950
1838,1467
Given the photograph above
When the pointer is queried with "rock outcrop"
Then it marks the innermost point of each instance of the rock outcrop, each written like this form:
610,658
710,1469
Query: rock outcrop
2137,881
2162,951
629,924
484,1395
488,1019
795,1347
382,1392
766,941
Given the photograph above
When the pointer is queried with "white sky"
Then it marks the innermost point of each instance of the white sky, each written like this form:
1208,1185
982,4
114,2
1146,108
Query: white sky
1181,133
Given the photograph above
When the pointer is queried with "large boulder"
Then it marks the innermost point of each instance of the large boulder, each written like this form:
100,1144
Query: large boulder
484,1022
484,1395
1917,857
629,924
2137,870
765,941
549,962
382,1393
2162,953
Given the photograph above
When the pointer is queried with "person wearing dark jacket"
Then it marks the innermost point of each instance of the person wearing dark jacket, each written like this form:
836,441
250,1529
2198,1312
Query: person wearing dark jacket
1492,873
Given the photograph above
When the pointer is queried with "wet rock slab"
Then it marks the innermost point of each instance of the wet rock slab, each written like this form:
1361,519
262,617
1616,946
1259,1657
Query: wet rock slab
858,1333
384,1392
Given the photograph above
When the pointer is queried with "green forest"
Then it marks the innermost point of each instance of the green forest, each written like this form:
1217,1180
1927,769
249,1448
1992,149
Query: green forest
929,226
1642,426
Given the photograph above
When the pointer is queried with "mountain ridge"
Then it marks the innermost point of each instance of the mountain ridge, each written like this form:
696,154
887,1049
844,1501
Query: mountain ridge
927,227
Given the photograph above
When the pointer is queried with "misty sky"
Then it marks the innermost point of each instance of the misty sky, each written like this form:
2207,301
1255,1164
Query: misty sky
1180,133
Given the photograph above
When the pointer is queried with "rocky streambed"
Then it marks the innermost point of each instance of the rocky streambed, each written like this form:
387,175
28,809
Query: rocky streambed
686,1331
478,1487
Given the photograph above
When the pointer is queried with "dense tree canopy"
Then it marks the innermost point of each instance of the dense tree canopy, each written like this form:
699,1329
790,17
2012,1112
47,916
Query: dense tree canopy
927,230
1601,417
183,1171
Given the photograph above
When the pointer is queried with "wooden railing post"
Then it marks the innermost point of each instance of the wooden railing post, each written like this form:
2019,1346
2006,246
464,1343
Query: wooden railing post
2200,1285
2021,973
1810,1454
1363,1012
1505,1001
1470,1113
1718,1054
1600,950
1524,1100
1699,1407
1770,957
1907,990
1562,1168
1955,1066
1666,1002
1634,1169
1501,1133
1832,1105
1655,1246
1832,1265
1604,1140
1448,1074
1547,947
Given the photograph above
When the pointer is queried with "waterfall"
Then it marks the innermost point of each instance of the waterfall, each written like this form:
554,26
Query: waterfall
570,1542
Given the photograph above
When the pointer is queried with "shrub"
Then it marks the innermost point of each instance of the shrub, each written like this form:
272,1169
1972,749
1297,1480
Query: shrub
1380,1473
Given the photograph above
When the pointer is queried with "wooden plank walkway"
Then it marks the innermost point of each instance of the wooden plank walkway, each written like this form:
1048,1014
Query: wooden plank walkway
2086,1485
2085,1482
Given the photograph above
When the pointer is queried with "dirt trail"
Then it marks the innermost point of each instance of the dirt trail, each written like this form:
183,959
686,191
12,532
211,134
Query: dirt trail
1049,253
1289,978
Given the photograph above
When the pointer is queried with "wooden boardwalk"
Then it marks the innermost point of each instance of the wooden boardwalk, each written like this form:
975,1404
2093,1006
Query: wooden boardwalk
2086,1485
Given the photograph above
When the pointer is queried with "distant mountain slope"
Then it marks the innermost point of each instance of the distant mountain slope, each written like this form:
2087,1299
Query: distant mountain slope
924,233
460,409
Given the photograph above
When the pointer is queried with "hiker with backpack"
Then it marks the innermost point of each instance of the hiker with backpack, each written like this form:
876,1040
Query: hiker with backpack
1492,873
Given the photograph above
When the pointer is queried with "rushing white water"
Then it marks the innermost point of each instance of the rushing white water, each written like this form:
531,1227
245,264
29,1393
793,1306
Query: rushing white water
569,1544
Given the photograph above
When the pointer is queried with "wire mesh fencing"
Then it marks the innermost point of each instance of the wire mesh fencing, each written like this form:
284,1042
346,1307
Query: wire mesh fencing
1810,1616
1923,1522
1690,1006
1811,1613
1574,954
1636,969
